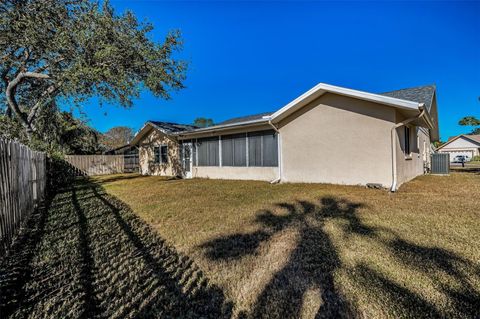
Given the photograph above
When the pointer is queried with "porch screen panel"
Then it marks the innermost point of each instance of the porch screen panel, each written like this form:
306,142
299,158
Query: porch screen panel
254,149
263,148
227,151
240,150
207,149
270,149
234,150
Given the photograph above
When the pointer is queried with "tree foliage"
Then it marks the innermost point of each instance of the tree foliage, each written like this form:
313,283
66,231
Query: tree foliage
116,137
471,121
75,49
56,133
203,122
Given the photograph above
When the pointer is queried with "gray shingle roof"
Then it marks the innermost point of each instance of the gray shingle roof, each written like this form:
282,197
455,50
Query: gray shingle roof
475,138
170,127
245,118
420,94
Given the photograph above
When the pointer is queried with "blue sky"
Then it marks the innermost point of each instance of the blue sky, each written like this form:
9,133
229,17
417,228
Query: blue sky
251,57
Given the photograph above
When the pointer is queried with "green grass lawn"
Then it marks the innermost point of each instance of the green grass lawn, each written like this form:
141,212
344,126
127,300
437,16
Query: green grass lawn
301,250
87,255
128,246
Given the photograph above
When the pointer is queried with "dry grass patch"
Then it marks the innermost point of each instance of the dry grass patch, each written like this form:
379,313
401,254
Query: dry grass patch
303,250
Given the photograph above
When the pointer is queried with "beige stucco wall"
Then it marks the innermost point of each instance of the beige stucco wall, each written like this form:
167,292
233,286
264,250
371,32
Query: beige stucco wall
412,165
146,156
241,173
339,140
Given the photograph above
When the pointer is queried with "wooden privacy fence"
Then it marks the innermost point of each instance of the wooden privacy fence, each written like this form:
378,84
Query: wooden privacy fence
23,179
132,163
97,164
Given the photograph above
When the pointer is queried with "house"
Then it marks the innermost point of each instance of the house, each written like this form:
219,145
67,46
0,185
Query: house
329,134
466,145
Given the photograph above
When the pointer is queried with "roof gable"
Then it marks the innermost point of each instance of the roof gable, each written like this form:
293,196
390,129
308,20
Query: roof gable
475,138
323,88
420,94
469,141
167,128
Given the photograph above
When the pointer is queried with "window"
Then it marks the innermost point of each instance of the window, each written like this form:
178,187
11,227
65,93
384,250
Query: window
156,154
164,153
234,150
160,154
407,140
262,149
207,151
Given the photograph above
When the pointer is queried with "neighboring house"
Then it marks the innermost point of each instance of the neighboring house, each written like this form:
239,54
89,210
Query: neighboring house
329,134
466,145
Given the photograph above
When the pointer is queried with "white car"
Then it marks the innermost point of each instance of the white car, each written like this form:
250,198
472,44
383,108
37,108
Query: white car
461,159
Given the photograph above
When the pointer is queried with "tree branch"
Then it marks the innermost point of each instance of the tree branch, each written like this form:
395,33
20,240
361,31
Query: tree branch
46,66
33,112
35,75
12,102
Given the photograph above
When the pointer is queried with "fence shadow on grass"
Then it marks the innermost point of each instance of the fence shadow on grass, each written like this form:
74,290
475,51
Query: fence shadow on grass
15,269
95,259
116,178
315,259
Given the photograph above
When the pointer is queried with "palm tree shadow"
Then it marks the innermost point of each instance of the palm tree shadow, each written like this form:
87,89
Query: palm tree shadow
311,265
453,274
314,261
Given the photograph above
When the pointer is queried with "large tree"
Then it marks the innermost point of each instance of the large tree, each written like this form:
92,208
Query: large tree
116,137
75,49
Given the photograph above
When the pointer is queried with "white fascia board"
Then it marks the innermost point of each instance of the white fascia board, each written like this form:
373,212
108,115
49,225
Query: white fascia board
140,134
223,127
143,131
322,88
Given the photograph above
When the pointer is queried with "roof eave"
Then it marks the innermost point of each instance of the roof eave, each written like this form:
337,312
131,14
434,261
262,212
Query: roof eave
139,135
323,88
217,128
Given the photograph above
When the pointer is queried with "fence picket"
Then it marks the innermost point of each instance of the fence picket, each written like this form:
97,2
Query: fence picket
97,164
23,179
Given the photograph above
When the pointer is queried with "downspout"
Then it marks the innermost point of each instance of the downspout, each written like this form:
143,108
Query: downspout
393,188
279,178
